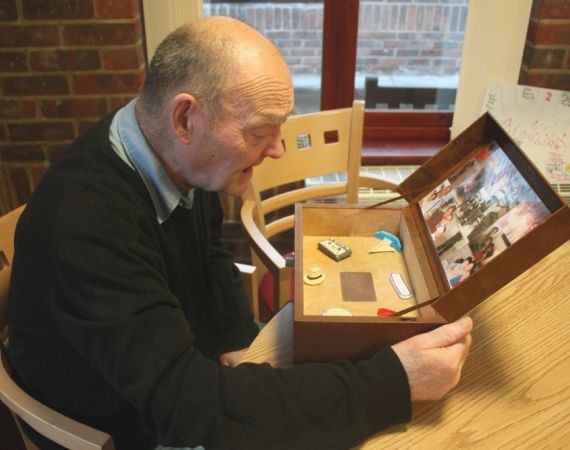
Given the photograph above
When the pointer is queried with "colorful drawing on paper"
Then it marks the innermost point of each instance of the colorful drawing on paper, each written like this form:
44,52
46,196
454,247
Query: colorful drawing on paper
538,120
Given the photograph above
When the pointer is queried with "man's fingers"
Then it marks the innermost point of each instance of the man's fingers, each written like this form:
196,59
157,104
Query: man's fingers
447,334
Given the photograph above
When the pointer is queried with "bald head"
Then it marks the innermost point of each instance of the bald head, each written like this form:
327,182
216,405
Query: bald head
208,58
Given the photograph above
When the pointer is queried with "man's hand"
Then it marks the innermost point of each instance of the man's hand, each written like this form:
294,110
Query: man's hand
232,359
433,360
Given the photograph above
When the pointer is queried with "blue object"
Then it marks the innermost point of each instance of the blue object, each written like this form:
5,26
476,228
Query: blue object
394,241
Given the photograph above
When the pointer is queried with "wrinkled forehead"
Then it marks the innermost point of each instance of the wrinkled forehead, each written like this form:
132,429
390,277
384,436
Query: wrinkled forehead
265,98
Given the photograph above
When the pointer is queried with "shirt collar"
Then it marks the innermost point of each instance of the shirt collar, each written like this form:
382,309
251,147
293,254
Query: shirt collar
130,145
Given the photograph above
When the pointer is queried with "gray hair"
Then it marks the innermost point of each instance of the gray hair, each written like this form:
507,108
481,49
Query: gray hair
190,59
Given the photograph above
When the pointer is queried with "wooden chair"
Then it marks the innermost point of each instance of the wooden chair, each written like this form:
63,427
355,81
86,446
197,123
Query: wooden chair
394,97
316,144
47,422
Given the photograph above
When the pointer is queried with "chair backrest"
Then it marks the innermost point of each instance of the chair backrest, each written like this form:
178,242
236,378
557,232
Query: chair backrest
47,422
7,229
316,144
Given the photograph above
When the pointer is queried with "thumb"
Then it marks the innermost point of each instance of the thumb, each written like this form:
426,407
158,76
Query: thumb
447,334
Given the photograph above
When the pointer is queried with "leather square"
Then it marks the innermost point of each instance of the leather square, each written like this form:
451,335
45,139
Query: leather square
357,287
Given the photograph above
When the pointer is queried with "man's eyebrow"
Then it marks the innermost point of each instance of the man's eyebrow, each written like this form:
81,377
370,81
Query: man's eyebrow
275,119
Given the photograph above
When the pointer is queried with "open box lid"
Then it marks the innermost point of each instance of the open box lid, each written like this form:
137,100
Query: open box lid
533,241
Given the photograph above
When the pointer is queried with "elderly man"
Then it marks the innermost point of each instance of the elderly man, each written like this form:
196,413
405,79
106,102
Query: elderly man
126,311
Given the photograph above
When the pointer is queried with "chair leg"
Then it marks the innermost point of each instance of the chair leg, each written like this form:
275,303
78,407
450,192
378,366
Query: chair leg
255,296
284,285
260,271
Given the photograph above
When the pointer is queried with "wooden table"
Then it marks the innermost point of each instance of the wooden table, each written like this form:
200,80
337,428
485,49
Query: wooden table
515,389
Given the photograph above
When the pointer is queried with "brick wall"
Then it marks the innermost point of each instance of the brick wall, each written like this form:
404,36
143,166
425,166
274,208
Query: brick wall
297,29
423,37
63,64
546,61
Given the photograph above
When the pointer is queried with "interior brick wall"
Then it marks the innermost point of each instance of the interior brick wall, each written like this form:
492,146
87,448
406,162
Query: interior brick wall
63,64
546,61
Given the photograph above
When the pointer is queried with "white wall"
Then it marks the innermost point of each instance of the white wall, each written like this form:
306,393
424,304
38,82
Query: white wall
495,36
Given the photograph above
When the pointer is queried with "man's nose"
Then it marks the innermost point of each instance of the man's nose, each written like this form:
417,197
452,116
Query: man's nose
275,148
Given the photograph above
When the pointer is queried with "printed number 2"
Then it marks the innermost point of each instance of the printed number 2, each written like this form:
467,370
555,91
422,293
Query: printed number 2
548,96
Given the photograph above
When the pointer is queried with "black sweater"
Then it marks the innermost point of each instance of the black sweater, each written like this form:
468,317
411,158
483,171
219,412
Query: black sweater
117,321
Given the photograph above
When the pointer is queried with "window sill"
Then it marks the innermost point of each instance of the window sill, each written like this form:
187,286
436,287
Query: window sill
399,151
404,137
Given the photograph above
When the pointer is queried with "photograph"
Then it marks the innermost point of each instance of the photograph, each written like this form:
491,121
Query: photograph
478,212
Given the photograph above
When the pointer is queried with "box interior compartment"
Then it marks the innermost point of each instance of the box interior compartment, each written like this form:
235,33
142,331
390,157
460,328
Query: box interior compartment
355,227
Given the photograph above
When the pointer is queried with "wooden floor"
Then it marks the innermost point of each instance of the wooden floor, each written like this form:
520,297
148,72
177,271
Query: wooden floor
9,435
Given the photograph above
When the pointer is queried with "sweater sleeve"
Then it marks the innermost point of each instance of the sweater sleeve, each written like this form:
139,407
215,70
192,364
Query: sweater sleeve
118,314
239,327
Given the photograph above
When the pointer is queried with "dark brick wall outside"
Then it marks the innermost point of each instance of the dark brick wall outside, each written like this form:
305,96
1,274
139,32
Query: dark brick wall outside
63,64
546,60
421,37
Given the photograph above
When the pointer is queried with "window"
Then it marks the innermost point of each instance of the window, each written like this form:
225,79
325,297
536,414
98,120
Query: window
396,137
409,53
401,54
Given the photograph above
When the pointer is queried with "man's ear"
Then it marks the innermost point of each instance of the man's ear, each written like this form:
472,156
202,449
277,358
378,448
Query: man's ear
183,108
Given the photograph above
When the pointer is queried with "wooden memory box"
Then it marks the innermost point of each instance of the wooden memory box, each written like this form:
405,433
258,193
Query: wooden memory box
477,215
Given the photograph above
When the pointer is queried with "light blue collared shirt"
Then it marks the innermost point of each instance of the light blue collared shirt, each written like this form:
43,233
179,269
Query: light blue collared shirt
132,147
